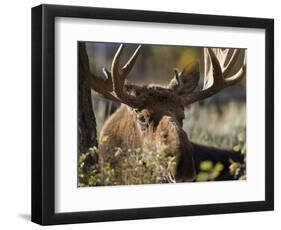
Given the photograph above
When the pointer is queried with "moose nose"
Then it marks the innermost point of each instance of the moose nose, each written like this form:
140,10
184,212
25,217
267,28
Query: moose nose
141,119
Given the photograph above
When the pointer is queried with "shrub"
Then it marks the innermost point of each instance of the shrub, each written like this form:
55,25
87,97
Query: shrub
143,166
134,166
238,170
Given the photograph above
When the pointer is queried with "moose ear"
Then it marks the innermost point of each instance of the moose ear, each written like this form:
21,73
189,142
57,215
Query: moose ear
186,81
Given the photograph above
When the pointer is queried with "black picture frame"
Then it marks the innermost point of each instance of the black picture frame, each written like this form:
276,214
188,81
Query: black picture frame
43,113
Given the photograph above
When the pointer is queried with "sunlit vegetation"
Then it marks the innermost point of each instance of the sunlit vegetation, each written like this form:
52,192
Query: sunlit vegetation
218,126
134,166
219,121
142,166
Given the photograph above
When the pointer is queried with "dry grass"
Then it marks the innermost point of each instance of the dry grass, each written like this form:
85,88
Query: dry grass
213,125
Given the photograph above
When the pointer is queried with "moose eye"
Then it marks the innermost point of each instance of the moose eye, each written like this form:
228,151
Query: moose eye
142,119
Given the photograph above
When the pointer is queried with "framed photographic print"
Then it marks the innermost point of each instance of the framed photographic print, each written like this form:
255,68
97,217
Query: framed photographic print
141,114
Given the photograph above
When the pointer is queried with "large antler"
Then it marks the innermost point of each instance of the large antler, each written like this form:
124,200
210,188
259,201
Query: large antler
219,73
113,87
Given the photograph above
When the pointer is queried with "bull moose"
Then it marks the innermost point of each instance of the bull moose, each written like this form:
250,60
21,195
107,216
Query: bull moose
150,112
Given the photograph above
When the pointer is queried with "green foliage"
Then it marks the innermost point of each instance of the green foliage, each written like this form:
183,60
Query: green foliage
221,125
238,170
209,171
205,124
134,166
87,166
142,166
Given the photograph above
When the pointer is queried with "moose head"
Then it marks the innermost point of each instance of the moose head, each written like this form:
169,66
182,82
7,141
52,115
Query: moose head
149,113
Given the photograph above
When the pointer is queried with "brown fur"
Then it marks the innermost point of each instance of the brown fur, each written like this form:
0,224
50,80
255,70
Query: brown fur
163,115
151,114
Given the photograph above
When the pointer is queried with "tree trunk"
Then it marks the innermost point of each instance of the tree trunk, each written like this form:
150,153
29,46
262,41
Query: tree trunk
87,134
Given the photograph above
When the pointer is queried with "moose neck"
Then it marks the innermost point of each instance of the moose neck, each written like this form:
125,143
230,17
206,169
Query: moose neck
121,130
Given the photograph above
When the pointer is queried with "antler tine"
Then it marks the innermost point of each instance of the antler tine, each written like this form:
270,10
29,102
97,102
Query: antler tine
177,75
237,76
115,65
178,79
231,62
223,75
220,78
217,71
113,86
106,73
129,65
118,79
102,87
